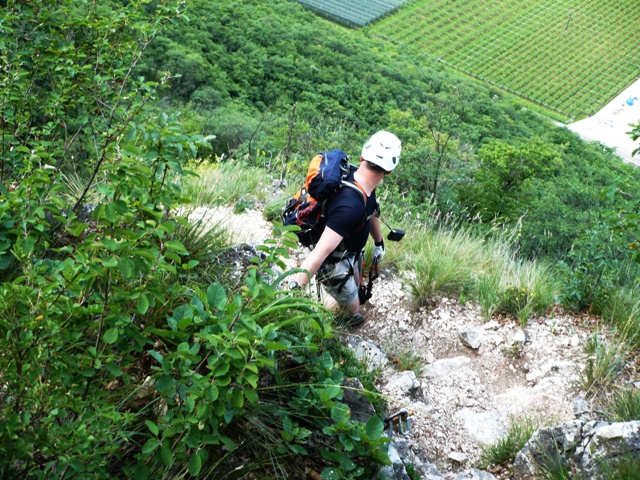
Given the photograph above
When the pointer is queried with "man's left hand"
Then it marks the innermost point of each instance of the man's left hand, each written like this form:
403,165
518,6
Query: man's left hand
378,250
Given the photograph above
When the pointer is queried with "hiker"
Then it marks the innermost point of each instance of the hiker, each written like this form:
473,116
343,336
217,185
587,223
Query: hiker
338,255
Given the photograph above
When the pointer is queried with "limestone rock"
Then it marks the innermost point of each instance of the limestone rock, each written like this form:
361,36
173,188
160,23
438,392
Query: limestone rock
370,352
470,336
458,457
610,442
446,366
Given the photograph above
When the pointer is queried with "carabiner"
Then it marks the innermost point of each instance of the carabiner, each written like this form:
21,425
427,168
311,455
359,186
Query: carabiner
402,419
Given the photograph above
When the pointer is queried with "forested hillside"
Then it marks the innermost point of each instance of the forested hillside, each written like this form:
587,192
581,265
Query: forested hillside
135,343
251,70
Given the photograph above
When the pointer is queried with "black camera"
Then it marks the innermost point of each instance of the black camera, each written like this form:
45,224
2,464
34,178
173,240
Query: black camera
395,235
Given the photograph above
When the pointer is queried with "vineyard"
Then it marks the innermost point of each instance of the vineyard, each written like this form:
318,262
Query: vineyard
569,56
356,13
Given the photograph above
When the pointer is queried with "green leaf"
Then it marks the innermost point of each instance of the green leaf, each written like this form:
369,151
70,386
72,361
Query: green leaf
195,464
251,395
110,213
228,442
184,323
340,412
330,474
143,304
164,383
221,368
166,455
216,296
274,346
141,472
175,245
111,335
237,398
212,393
110,262
110,244
113,369
77,229
223,381
228,416
157,356
153,428
126,267
183,311
150,446
174,257
77,465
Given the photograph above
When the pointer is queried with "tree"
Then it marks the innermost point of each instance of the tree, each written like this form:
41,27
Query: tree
503,170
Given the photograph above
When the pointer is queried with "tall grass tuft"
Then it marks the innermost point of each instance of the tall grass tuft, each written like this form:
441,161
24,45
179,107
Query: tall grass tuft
452,259
226,183
606,360
624,467
74,187
504,450
444,262
624,405
622,311
205,243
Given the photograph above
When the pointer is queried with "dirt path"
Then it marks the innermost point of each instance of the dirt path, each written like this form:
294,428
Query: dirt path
611,124
469,396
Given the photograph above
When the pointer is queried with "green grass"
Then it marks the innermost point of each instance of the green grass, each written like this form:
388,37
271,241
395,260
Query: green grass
402,357
568,57
606,360
453,259
230,183
624,405
622,311
626,467
504,450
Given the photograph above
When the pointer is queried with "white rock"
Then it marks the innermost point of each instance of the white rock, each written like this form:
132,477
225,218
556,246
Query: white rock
458,457
519,337
470,336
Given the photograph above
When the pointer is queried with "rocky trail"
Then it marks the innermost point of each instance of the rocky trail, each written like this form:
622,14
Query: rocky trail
474,375
477,375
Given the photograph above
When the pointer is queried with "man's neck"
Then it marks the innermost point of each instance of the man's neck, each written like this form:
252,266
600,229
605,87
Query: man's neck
368,179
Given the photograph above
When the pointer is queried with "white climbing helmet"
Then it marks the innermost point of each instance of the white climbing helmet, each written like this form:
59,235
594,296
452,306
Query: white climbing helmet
383,149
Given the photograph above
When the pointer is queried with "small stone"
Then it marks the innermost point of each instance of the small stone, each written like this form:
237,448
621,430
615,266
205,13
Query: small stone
491,325
470,337
520,337
458,457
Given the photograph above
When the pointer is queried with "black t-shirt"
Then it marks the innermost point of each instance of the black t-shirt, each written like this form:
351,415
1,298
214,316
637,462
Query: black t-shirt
345,216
